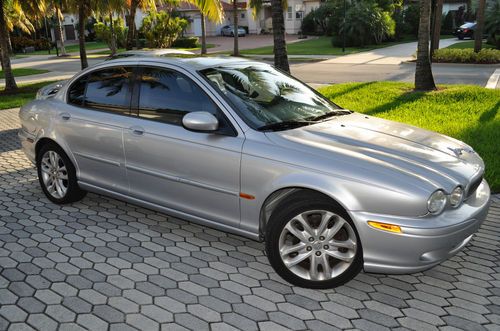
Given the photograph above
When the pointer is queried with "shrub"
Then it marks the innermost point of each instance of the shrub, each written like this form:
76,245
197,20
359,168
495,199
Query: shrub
103,32
411,16
186,42
161,28
447,23
324,20
308,24
366,23
19,43
492,23
466,55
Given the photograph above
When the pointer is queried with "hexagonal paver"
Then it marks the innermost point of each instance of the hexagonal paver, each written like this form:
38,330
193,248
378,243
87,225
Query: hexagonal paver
102,264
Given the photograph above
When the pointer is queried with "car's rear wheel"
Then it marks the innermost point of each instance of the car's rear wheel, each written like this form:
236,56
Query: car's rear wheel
57,175
311,242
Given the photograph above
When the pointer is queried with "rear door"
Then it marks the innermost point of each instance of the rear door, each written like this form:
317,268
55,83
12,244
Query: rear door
92,126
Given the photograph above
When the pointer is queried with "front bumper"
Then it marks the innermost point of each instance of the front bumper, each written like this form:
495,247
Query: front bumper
424,242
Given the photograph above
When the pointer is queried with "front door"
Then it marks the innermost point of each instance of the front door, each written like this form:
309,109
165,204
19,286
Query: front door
193,172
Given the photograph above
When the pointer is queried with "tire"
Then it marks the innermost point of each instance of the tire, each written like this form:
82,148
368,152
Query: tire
461,37
317,210
65,188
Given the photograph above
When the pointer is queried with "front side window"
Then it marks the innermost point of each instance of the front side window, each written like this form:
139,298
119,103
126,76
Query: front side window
166,96
109,89
263,96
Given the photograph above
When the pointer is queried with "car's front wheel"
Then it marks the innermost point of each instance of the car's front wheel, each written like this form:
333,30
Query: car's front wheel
311,242
57,175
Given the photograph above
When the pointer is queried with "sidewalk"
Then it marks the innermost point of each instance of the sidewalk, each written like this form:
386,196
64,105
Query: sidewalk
388,55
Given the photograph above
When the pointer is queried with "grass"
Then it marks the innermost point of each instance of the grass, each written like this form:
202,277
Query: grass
24,94
73,48
24,72
468,44
120,50
467,113
320,46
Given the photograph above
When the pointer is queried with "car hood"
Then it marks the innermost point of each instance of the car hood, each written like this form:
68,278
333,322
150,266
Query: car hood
386,148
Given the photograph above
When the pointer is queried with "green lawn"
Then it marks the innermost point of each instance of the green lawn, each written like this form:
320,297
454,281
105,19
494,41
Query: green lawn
468,44
320,46
24,94
468,113
24,72
73,48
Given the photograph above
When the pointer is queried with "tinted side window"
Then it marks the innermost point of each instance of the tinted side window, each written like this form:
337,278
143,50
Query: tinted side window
109,89
166,96
77,91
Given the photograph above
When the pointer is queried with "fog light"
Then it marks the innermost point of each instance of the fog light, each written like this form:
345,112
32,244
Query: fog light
385,226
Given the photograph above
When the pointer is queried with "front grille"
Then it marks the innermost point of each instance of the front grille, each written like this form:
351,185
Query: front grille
474,185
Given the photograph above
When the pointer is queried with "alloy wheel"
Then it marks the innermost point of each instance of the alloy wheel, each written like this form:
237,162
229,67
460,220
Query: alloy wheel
54,174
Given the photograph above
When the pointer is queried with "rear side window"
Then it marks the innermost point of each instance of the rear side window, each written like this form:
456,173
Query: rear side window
166,96
76,93
109,89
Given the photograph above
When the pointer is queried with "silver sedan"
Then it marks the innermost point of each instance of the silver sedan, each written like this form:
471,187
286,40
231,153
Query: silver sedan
239,146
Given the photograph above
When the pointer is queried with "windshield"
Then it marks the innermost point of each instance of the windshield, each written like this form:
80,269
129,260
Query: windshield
264,96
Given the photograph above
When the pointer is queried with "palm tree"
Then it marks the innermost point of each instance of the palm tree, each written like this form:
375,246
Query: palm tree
436,26
107,8
478,34
84,10
132,6
10,82
280,52
211,9
236,51
56,6
424,81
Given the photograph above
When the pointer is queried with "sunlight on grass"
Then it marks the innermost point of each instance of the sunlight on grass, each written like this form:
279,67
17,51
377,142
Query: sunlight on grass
24,94
24,72
467,113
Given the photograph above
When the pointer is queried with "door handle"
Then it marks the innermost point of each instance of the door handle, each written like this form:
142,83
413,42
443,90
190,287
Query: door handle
65,116
137,130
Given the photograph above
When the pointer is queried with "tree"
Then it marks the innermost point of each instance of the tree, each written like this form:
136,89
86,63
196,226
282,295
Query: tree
279,49
478,34
132,6
424,81
10,82
107,8
84,10
236,51
436,25
211,9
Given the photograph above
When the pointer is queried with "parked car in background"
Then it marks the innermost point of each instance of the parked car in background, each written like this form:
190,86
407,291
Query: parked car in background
228,30
465,31
242,147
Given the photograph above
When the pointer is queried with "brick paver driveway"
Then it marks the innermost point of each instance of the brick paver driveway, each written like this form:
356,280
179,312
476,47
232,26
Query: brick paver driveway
104,264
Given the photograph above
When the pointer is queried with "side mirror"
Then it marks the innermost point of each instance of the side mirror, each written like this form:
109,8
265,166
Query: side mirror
200,121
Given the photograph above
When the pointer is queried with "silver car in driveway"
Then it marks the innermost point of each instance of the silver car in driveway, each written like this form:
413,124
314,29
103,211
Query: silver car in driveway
242,147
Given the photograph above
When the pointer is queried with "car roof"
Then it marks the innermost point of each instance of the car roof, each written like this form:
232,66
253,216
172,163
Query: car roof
195,63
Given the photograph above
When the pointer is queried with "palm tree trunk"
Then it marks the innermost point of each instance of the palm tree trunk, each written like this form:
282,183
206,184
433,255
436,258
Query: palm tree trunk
436,26
61,32
424,81
131,25
236,51
113,34
280,52
10,82
203,35
478,34
81,33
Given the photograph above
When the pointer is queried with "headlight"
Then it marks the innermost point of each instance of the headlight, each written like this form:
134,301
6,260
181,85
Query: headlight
456,196
436,202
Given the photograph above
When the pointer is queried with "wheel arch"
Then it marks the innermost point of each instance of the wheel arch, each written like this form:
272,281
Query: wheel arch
278,196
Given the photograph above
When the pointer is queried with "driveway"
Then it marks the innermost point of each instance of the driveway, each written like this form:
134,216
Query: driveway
102,264
225,44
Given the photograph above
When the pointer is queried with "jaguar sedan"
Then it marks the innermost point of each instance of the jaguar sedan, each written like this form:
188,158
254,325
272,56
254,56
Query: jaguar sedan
244,148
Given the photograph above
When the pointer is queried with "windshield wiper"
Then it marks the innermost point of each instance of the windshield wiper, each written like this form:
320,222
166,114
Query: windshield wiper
285,125
329,114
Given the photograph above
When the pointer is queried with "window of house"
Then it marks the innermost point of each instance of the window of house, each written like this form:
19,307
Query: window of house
289,12
242,15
